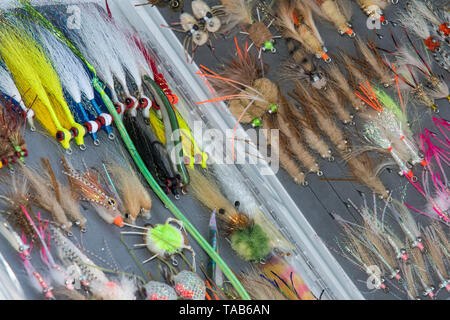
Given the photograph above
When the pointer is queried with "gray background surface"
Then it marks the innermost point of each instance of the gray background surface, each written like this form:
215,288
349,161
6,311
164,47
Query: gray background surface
315,200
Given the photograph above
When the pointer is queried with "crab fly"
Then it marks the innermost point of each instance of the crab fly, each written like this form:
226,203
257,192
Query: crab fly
174,5
206,16
198,26
163,240
261,36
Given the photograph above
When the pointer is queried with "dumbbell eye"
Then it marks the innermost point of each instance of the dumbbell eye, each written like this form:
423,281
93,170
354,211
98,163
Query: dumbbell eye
129,102
143,103
111,202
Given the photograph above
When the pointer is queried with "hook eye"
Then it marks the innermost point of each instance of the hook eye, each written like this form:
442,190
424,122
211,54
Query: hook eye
69,151
111,136
83,147
96,142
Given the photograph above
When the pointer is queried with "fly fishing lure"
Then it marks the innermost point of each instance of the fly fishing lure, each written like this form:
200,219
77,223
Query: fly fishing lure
371,63
410,284
90,189
424,277
248,239
16,194
415,74
57,273
318,108
258,287
355,250
174,5
310,131
197,27
388,129
76,82
189,285
375,222
9,88
296,147
240,12
137,67
20,245
64,194
88,274
374,9
108,49
195,36
163,240
136,200
302,66
37,82
51,83
336,13
44,197
155,290
241,82
339,81
13,238
407,223
337,106
429,27
433,184
360,165
280,273
37,280
436,256
152,114
156,156
10,287
239,193
254,98
297,22
369,237
13,146
286,159
172,130
206,16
